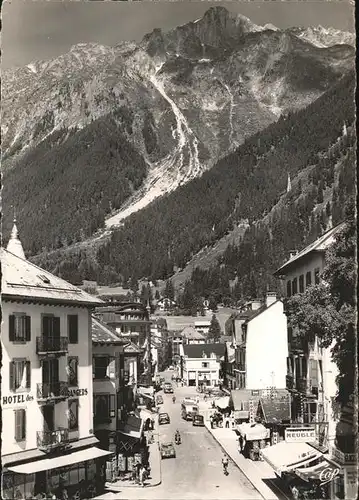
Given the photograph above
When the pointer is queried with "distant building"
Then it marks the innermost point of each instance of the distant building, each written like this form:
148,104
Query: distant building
131,320
202,326
192,336
48,442
202,364
166,304
311,373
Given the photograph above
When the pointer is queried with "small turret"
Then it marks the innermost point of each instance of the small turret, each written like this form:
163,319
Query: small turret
14,245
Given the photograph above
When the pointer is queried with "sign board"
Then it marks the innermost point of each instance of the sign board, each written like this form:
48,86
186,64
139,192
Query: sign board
300,435
17,399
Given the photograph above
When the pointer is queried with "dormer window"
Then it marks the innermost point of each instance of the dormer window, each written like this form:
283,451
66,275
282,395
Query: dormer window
44,278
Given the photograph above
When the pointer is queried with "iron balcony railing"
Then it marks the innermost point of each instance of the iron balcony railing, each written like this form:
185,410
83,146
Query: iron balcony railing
52,390
45,345
50,440
289,381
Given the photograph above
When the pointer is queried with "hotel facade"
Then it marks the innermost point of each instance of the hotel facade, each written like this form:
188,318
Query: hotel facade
48,442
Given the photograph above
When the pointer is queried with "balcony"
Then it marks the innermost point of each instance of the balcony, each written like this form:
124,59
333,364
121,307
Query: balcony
52,391
48,441
51,345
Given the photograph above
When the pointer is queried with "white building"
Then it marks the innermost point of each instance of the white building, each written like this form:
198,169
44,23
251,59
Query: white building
192,336
262,346
202,364
202,326
47,414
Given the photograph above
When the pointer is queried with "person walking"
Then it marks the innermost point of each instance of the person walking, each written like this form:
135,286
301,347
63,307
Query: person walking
211,421
240,442
142,476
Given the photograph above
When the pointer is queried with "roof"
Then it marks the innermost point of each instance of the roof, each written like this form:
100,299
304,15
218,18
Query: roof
239,396
197,350
101,333
203,323
23,280
189,332
259,311
275,411
319,245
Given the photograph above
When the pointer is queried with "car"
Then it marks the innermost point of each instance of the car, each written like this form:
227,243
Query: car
198,420
188,400
167,388
171,368
159,400
167,450
163,418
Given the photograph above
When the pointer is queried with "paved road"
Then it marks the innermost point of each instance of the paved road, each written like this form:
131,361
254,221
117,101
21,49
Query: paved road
196,472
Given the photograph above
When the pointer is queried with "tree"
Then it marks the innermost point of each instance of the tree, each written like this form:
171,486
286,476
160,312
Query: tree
212,303
169,290
214,332
157,295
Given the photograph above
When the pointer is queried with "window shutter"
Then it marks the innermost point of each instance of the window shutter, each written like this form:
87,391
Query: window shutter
17,420
56,325
73,329
28,374
45,325
28,328
12,327
112,368
12,375
112,406
23,421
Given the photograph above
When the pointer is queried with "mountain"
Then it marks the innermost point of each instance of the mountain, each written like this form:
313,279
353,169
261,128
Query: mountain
99,133
242,197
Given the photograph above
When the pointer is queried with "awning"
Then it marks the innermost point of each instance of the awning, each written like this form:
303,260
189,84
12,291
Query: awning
322,472
146,391
62,461
285,457
222,402
126,442
133,427
253,432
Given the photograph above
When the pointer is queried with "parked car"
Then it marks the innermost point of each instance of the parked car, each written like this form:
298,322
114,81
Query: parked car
171,368
167,388
188,400
159,400
167,450
163,418
198,420
188,410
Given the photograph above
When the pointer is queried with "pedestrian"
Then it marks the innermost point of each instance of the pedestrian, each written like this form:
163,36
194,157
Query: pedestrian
211,421
240,442
197,400
142,476
227,423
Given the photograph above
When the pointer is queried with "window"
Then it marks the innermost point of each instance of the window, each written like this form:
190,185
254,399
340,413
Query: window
19,327
289,288
73,415
104,407
308,279
20,374
20,425
294,286
50,326
316,275
205,365
73,328
100,367
72,368
301,283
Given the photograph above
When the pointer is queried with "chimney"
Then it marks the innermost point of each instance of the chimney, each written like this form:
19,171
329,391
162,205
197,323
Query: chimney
255,304
271,297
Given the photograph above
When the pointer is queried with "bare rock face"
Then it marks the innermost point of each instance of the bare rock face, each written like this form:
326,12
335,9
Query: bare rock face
183,98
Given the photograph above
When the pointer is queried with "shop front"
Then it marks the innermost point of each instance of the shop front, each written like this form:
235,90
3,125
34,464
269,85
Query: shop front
77,475
274,411
253,438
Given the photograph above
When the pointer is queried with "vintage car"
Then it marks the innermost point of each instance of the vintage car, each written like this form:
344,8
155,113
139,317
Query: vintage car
167,388
163,418
198,420
167,450
159,400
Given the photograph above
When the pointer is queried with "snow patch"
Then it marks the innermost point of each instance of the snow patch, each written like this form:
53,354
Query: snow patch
32,68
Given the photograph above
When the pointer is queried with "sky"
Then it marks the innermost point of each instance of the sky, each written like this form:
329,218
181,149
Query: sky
37,29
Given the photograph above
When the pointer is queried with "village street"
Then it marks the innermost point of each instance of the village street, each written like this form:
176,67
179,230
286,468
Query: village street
196,472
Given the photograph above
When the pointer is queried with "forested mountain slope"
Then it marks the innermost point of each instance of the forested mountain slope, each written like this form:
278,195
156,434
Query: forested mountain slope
246,184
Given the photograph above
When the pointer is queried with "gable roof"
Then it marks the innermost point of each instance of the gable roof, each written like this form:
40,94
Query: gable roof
259,311
319,245
275,410
23,280
103,334
197,350
189,332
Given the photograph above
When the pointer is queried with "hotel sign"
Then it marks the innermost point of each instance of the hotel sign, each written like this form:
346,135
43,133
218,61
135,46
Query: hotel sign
17,399
300,435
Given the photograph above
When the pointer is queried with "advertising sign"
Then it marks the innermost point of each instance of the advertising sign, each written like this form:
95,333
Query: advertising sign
300,435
